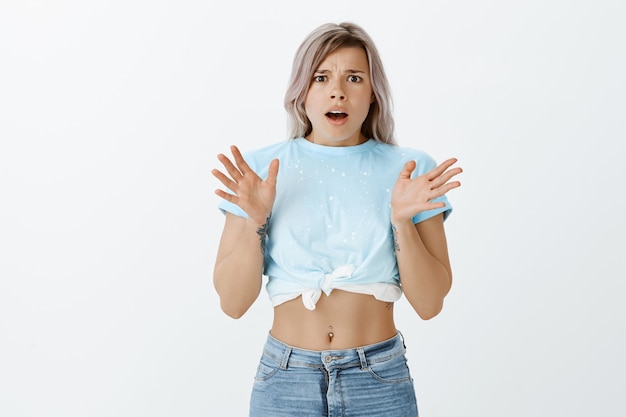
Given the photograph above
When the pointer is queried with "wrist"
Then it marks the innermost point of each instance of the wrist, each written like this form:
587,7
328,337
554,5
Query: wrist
260,229
259,218
402,224
398,220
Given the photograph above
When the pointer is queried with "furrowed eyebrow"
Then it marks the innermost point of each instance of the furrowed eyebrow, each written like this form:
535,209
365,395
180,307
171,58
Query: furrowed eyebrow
349,71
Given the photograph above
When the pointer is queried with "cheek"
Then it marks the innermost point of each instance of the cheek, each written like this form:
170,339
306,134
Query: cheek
367,105
310,101
365,97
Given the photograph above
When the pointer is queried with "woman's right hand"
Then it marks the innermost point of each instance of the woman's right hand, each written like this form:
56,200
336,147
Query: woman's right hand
252,194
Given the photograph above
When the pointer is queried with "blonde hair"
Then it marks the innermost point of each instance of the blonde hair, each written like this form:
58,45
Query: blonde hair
379,124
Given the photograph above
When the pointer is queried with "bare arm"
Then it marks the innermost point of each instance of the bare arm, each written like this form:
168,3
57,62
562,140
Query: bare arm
423,263
238,268
421,249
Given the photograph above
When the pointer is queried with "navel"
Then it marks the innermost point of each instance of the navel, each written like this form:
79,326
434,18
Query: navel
330,333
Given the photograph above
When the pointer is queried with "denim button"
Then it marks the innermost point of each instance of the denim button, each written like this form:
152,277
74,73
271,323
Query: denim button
328,358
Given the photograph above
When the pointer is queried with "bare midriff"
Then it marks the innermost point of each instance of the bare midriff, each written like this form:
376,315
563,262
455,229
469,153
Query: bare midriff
341,320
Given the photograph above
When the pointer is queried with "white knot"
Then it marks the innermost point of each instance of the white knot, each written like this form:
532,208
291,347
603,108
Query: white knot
344,271
311,297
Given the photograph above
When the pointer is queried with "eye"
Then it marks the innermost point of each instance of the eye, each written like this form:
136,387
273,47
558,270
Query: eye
354,78
319,78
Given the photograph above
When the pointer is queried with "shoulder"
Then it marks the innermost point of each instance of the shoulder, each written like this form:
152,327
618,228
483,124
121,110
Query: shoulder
260,157
424,162
267,150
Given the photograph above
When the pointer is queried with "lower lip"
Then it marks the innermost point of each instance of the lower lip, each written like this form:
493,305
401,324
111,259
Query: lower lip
337,122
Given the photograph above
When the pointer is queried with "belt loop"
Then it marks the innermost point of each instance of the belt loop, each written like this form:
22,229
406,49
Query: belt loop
362,358
285,360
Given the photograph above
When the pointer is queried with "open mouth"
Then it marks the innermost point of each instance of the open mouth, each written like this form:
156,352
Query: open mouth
336,115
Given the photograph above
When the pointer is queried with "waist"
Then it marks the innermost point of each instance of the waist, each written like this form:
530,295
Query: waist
363,356
340,320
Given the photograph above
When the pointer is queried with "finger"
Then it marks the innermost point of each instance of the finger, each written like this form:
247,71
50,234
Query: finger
241,163
408,168
445,177
272,173
227,196
230,168
451,186
438,192
228,183
435,205
432,205
440,169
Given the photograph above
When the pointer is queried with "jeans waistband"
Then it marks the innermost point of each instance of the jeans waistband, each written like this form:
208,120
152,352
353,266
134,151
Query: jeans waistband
289,356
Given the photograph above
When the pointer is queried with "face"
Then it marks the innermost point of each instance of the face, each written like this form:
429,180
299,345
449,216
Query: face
339,98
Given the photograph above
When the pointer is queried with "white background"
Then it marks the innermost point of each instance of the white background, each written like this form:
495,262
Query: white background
112,113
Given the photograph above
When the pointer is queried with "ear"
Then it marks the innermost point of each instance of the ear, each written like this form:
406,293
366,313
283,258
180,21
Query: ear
372,98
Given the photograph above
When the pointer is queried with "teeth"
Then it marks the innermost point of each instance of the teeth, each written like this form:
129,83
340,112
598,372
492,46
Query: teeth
336,112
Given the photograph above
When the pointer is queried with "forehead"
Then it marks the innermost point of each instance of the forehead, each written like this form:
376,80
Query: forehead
347,57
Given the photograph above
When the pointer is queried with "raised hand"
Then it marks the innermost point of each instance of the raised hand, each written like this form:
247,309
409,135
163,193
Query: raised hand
252,194
412,196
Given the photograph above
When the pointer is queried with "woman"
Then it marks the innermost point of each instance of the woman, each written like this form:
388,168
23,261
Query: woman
345,225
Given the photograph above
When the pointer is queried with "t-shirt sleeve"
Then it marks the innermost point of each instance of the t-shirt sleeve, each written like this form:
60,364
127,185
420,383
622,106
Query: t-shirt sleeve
425,163
228,207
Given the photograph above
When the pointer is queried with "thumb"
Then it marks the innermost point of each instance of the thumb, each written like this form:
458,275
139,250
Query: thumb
408,168
272,173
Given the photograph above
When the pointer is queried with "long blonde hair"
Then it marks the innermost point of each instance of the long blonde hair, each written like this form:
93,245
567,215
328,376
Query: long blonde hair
379,124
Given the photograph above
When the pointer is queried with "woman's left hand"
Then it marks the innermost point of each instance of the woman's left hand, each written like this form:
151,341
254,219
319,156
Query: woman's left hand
412,196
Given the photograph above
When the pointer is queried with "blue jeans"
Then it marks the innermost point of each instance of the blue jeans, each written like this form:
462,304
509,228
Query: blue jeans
373,380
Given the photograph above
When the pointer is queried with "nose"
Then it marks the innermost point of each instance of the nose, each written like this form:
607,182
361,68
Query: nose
336,91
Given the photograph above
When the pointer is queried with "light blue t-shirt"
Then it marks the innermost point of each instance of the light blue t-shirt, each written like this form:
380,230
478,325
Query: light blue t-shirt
330,225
